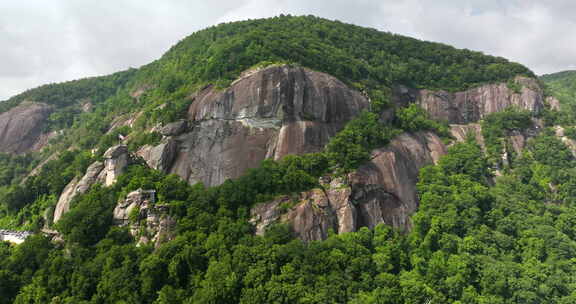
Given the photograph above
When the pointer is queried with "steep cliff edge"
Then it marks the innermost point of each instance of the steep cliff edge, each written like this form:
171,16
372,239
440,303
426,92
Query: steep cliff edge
21,128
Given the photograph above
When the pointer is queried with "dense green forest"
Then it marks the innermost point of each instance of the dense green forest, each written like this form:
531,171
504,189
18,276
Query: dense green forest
562,85
472,242
476,238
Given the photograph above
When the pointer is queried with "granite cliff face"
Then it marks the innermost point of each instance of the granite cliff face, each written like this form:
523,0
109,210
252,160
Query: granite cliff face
267,113
281,110
472,105
384,190
21,128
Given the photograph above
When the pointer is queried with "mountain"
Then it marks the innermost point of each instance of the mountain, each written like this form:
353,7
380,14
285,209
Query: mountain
292,160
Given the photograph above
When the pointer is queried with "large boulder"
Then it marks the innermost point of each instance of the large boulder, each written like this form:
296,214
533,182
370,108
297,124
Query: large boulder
160,157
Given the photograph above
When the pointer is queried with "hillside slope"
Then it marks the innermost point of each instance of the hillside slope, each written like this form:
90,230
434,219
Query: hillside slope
338,164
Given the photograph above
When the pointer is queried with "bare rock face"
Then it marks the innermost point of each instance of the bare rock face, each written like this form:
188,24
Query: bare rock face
462,132
381,191
174,128
161,156
312,214
267,113
21,127
148,221
116,159
77,187
473,104
385,188
66,197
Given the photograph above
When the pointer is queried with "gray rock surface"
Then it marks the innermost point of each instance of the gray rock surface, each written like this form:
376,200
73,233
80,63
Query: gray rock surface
161,156
174,128
116,159
76,187
21,128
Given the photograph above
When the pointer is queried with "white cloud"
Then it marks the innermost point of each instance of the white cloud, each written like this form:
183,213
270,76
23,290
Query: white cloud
50,41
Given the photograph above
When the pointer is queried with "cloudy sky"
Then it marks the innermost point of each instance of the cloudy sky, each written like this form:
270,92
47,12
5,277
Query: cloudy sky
44,41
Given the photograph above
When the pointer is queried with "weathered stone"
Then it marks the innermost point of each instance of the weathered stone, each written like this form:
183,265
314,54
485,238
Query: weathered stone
77,187
381,191
553,102
21,127
151,222
570,143
116,159
474,104
63,204
174,128
161,156
267,113
385,188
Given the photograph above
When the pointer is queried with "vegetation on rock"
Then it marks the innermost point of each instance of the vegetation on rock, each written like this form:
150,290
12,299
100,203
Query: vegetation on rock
475,238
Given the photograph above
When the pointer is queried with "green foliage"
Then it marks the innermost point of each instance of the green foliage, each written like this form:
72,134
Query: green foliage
352,146
413,118
90,218
561,85
496,126
68,96
112,138
514,86
25,203
570,132
140,139
471,242
474,240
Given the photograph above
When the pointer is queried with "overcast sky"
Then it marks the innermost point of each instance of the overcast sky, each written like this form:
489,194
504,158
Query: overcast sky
43,41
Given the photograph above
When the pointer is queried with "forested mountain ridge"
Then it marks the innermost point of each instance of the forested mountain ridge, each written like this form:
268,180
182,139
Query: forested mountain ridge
413,172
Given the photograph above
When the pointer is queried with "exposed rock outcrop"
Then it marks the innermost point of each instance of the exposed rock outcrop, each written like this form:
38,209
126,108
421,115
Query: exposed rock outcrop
381,191
462,132
267,113
174,128
160,157
21,128
116,159
76,187
148,221
474,104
